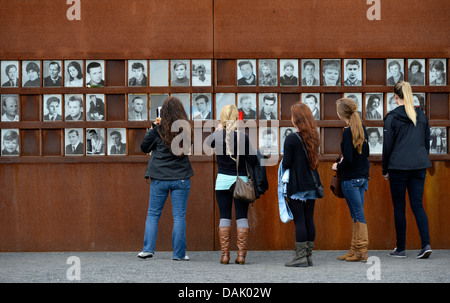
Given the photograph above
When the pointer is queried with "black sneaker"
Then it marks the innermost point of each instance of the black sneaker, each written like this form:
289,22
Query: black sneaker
397,254
424,253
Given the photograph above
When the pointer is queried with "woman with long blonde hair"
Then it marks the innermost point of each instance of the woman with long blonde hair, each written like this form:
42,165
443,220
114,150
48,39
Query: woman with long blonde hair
225,142
301,189
354,170
406,144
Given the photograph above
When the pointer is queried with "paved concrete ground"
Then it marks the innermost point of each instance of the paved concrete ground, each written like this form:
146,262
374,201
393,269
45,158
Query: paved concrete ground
204,267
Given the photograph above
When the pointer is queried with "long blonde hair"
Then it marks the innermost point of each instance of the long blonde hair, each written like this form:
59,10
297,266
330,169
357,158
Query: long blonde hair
403,90
347,108
228,117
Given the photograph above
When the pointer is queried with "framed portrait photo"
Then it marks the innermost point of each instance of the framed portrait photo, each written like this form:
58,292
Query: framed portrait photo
352,72
201,73
10,142
52,73
31,73
95,141
438,71
180,72
137,73
310,72
201,106
137,107
375,140
73,109
268,140
438,140
331,72
394,71
390,102
247,105
313,102
73,73
95,73
289,72
416,71
117,141
268,106
374,106
10,73
10,108
95,107
268,72
246,73
73,138
52,107
419,100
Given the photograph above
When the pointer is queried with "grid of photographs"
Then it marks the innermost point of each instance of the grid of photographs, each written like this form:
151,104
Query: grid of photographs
192,81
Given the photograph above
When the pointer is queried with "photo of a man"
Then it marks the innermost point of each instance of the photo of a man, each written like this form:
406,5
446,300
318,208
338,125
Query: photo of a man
246,75
52,111
9,74
74,138
95,74
52,74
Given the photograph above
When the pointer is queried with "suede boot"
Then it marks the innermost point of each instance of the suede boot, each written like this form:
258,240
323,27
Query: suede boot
299,259
242,240
352,249
225,239
362,242
309,248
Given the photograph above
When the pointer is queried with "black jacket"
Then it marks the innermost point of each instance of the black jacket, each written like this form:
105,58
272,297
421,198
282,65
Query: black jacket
259,176
405,146
163,165
354,165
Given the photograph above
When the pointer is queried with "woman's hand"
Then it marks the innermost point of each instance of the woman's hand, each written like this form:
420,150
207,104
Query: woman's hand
386,176
334,167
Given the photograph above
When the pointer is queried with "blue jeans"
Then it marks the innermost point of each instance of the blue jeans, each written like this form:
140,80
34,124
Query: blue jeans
354,191
413,181
179,192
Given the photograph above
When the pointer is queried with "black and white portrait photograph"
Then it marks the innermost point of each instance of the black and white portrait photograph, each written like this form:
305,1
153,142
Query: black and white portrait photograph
438,140
52,107
223,99
137,107
284,132
416,71
268,140
268,72
10,142
310,72
31,73
390,102
73,73
180,72
438,72
52,70
73,109
117,144
246,72
185,99
394,71
357,97
159,72
10,108
374,106
95,73
289,72
313,102
155,101
95,107
95,141
201,106
10,74
375,140
331,72
201,73
246,104
74,139
268,106
419,100
352,72
137,73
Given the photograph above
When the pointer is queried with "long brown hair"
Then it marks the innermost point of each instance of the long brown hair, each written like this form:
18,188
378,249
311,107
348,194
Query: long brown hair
172,110
304,121
347,108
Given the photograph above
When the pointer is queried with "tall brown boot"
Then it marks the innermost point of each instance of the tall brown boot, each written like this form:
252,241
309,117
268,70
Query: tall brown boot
242,240
352,249
362,242
225,239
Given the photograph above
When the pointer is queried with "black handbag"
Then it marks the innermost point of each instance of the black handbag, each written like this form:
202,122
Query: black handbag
319,187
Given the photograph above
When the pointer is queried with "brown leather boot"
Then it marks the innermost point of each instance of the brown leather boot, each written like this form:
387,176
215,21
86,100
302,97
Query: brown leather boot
225,239
242,240
362,242
352,249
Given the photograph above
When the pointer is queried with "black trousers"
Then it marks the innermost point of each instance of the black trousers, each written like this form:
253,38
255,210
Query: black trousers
225,202
303,213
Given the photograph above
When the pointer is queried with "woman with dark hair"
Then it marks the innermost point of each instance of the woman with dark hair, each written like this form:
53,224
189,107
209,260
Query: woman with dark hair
170,170
75,75
301,189
354,170
415,74
406,144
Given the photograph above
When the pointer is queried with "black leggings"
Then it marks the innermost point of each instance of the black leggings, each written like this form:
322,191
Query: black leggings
225,201
303,213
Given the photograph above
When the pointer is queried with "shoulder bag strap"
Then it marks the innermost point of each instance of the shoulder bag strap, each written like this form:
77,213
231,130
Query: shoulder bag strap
307,157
